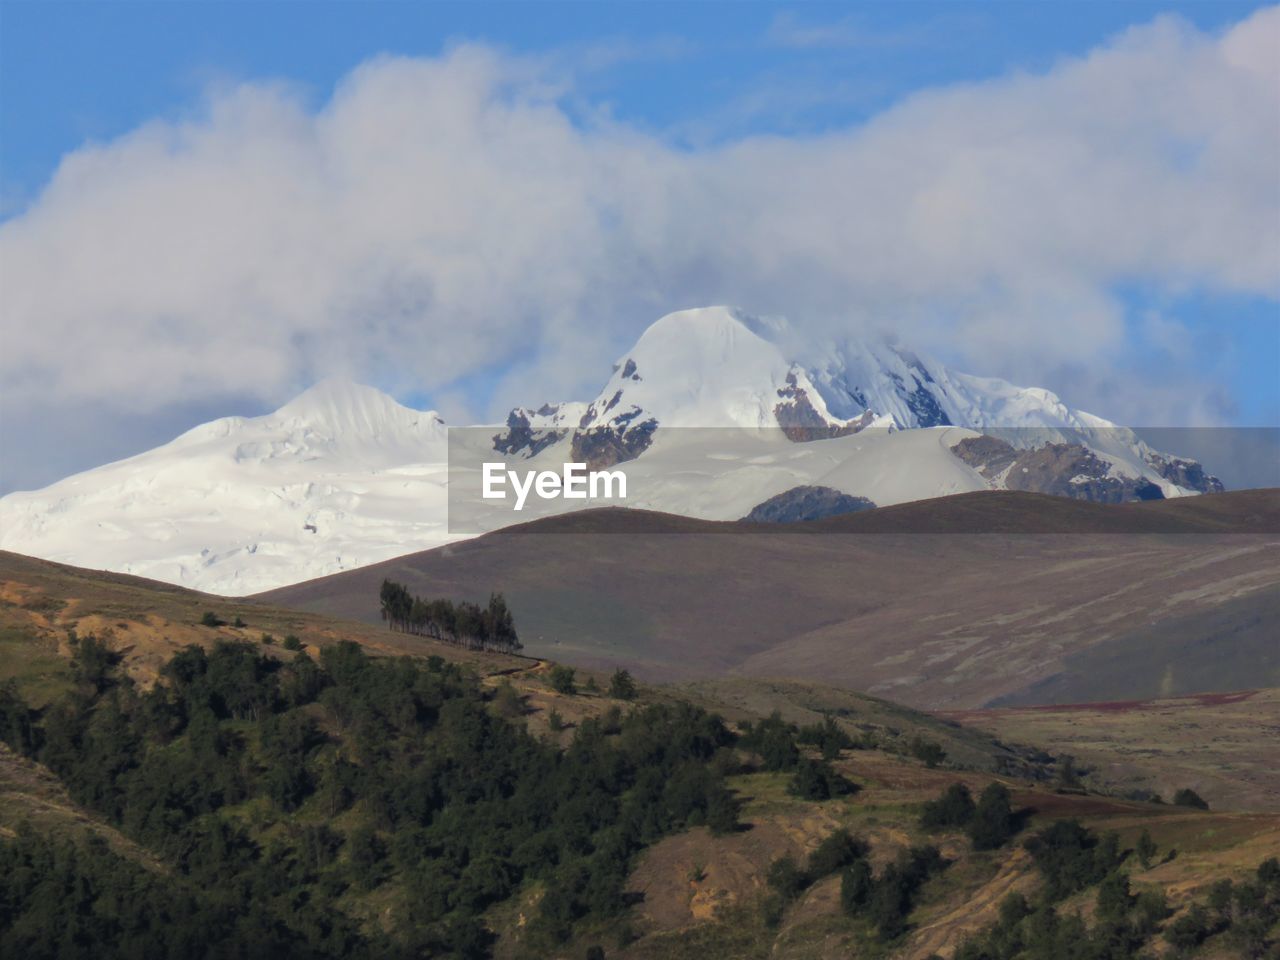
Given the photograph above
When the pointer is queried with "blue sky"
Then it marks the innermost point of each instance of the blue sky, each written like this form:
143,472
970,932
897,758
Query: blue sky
77,71
691,81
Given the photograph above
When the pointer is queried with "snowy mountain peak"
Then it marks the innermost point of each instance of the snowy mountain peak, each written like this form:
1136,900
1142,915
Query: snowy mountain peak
695,368
341,406
711,333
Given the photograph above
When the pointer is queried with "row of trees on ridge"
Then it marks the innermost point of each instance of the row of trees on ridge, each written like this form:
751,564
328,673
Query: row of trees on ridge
466,624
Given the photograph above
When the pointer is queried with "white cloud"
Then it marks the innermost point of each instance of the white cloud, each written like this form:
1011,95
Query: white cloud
440,218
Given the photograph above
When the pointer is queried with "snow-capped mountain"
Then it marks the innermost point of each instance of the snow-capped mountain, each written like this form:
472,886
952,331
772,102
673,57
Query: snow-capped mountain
719,367
344,476
339,477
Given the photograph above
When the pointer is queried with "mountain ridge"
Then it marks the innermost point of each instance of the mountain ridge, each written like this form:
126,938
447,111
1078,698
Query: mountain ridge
343,475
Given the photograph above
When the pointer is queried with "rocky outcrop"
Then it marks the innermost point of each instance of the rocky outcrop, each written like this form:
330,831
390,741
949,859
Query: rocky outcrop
807,503
800,420
1061,469
1188,474
614,443
521,436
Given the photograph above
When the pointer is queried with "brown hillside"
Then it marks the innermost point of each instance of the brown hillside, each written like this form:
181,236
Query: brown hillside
938,620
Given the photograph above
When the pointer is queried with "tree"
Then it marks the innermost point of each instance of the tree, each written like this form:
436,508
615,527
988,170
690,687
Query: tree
722,811
954,808
835,852
17,720
815,780
786,878
890,902
1114,898
1070,857
93,663
561,679
928,751
1189,930
993,821
826,736
1146,849
855,887
509,702
621,686
210,619
774,740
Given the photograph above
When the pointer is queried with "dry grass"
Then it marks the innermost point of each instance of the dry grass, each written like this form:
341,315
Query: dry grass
1221,746
146,621
702,894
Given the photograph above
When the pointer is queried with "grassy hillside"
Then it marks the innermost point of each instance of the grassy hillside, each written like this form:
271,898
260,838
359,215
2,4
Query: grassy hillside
1224,647
936,620
356,827
491,805
1221,745
891,727
146,621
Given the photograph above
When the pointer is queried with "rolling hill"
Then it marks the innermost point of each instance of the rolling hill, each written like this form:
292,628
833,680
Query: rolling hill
951,603
689,893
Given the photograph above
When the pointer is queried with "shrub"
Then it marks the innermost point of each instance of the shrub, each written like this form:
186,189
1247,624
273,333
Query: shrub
836,851
291,642
855,887
621,686
1071,858
774,741
954,808
1186,797
786,878
815,780
826,736
993,821
508,701
928,751
561,680
1146,849
210,619
1190,930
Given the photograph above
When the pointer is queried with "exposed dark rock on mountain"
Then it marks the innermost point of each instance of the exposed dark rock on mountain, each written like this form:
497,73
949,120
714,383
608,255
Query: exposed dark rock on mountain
1062,469
807,503
605,446
801,422
1185,473
522,437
